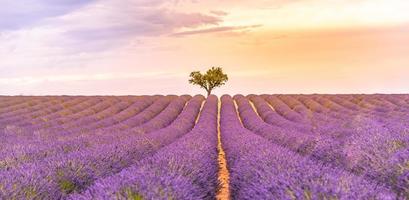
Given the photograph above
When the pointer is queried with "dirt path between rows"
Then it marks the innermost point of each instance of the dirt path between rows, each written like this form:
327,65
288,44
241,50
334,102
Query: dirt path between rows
223,192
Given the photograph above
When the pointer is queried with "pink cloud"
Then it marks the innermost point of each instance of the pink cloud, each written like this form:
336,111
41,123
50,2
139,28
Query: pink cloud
215,30
219,12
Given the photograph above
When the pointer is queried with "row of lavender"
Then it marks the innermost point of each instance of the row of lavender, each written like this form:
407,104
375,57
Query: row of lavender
277,147
261,169
186,169
57,168
365,141
39,143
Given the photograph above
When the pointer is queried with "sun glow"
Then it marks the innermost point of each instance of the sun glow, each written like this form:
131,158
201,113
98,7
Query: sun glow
322,14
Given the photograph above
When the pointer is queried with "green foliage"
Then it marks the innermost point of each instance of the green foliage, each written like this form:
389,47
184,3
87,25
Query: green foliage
213,78
67,186
29,192
131,195
65,183
135,196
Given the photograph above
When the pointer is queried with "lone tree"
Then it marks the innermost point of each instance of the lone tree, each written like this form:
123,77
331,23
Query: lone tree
213,78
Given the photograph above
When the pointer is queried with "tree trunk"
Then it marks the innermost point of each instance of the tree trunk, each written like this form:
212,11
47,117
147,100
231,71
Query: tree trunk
209,92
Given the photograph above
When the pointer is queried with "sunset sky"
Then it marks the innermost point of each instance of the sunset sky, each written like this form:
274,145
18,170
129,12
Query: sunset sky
150,46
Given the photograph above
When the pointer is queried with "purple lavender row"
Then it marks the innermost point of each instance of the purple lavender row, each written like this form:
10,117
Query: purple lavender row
15,135
365,104
152,115
129,112
386,109
286,118
398,101
156,108
7,101
394,121
137,119
375,148
321,111
289,138
186,169
35,117
371,150
318,114
261,170
332,107
312,104
29,102
40,140
391,102
10,104
138,105
295,105
374,152
284,110
79,107
11,131
44,106
71,109
343,101
338,127
369,111
164,118
29,152
61,175
106,109
314,119
35,144
335,106
65,105
9,124
379,104
69,121
327,124
332,111
310,109
30,107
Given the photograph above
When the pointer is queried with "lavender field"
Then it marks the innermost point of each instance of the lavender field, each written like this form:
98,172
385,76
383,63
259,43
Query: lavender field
192,147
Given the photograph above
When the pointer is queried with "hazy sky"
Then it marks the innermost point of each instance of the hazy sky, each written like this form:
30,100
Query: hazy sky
151,46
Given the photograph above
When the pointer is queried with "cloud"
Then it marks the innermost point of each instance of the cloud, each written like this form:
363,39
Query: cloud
103,18
215,30
18,14
145,22
81,77
69,27
219,12
110,24
107,24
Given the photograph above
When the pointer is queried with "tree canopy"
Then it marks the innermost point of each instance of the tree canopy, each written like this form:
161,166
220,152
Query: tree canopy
213,78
